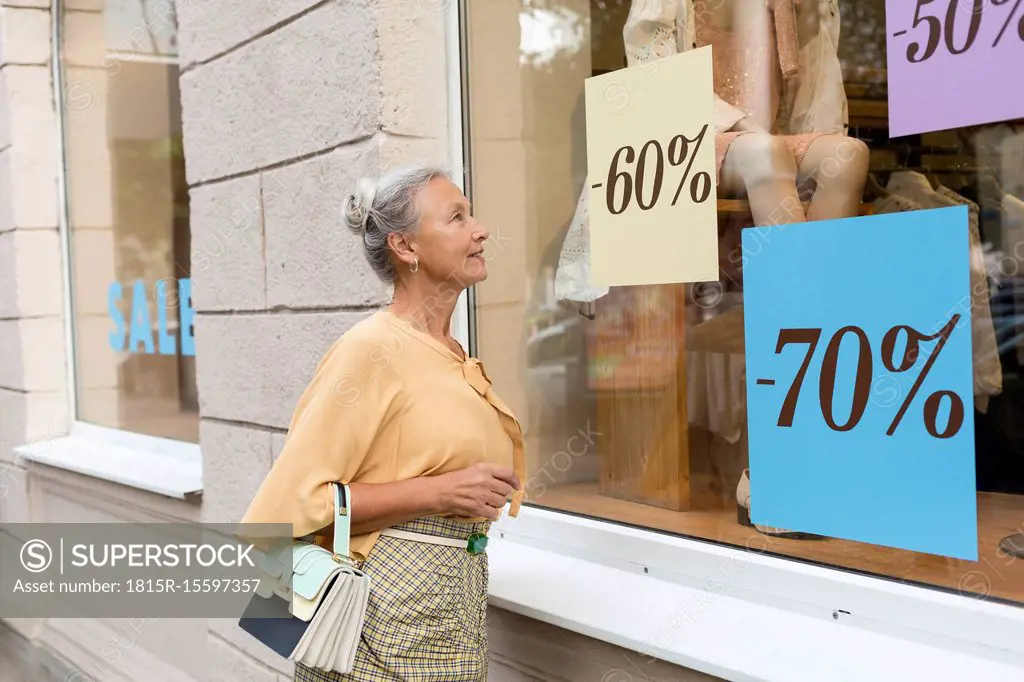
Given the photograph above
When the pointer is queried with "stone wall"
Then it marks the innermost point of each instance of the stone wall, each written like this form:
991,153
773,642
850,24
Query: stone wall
285,105
33,379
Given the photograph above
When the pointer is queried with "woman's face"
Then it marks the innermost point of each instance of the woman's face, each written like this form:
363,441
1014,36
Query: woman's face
449,242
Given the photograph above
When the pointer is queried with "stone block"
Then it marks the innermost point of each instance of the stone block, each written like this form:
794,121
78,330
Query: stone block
24,36
253,368
5,114
277,444
33,419
414,77
43,4
209,27
235,461
397,151
32,354
312,258
94,254
30,274
309,86
227,664
85,44
500,111
501,201
28,168
90,190
227,267
99,365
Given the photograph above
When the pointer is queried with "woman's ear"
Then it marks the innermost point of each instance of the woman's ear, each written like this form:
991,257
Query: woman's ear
401,247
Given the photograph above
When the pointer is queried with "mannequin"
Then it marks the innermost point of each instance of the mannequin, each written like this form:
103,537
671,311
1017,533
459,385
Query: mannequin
780,112
771,137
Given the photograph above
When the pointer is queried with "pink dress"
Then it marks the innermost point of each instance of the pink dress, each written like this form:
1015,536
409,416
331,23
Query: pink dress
748,65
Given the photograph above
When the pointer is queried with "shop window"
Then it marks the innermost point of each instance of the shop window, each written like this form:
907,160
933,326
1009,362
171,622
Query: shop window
633,398
128,218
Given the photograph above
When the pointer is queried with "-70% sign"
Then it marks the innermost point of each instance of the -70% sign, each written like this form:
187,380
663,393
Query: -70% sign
864,374
633,179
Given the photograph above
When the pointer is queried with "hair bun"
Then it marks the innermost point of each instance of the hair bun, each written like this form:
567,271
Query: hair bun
359,206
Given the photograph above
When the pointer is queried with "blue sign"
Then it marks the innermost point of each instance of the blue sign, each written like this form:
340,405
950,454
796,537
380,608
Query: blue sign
859,380
134,329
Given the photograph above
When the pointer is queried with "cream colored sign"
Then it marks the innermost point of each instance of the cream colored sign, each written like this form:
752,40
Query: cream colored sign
651,158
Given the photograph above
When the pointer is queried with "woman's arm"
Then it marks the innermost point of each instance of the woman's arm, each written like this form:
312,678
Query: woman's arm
478,491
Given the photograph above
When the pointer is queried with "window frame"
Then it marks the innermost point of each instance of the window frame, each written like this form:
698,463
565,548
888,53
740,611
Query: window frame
159,465
926,627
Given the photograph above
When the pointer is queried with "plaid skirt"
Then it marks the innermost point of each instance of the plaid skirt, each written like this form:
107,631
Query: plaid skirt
426,617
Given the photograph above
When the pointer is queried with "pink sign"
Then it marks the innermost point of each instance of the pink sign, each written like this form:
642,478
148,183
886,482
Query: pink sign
954,63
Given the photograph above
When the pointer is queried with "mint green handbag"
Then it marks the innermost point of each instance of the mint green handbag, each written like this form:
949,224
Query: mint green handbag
311,603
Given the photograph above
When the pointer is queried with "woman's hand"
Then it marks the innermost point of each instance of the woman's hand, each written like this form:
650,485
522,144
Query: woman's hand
480,490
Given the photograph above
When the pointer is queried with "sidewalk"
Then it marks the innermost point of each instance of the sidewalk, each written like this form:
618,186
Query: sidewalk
20,661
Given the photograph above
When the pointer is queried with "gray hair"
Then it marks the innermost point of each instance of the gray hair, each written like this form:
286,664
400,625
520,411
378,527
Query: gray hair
385,206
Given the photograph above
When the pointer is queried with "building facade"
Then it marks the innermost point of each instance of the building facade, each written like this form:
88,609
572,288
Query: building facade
172,268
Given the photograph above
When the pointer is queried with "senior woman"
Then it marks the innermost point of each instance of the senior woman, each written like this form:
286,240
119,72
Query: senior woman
400,412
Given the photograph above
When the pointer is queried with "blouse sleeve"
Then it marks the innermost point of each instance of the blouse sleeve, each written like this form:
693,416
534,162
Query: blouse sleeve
652,31
332,429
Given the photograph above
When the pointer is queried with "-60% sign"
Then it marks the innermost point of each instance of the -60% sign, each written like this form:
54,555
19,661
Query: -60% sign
629,173
865,372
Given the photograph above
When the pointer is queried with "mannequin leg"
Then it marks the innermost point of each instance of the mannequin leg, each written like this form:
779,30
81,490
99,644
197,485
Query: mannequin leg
762,167
837,167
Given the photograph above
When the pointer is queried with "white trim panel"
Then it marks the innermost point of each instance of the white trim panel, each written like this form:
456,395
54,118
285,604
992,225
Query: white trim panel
157,465
726,636
630,586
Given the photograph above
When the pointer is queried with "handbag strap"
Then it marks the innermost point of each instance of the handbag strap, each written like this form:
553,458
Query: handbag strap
342,519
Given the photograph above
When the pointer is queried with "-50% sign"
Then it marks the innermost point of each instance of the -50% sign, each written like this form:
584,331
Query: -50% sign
942,30
953,63
651,173
628,173
865,373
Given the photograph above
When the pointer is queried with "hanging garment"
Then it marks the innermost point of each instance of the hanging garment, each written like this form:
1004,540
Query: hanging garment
572,278
816,101
988,372
1013,246
716,398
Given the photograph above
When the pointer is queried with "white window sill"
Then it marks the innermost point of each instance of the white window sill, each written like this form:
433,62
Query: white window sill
157,465
740,615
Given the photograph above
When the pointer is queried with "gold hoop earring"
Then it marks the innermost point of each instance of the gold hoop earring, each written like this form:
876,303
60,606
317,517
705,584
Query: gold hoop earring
415,265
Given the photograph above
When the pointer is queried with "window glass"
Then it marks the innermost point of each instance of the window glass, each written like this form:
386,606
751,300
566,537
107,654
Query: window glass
129,218
633,398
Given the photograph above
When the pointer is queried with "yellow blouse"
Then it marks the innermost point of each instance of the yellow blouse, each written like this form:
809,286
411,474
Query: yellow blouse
387,403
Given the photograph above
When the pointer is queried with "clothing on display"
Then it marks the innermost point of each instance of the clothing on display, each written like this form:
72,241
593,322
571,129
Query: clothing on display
780,70
912,191
572,277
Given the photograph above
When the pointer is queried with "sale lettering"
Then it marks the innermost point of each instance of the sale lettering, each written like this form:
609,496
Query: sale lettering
651,173
860,381
943,30
953,63
633,181
865,374
134,331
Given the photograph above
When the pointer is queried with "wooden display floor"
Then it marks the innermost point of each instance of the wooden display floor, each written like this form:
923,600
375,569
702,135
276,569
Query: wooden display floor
999,515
